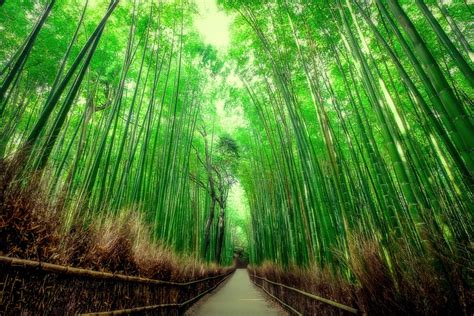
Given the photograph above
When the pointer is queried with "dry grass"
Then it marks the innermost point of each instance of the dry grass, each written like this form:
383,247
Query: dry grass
27,230
414,284
438,282
314,280
32,228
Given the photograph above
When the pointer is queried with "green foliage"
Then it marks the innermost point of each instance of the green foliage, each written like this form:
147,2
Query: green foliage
125,140
350,133
338,118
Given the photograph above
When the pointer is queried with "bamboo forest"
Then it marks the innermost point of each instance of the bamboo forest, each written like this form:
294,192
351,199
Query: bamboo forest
237,157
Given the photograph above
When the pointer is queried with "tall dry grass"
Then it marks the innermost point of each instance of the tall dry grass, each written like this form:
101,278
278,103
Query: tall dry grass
33,227
414,284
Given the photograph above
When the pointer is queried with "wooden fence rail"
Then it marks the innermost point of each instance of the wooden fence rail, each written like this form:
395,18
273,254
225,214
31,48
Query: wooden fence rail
275,290
179,306
34,287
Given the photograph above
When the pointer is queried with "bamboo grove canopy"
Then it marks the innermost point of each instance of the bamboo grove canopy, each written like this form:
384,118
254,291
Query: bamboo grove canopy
352,119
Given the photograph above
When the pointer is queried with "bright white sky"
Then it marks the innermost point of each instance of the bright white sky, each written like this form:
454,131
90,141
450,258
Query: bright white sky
213,24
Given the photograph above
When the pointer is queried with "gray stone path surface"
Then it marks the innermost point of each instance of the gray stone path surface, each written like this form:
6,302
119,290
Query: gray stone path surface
236,296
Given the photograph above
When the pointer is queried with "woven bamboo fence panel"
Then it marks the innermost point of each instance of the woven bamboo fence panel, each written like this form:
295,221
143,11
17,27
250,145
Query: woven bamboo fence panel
307,303
33,288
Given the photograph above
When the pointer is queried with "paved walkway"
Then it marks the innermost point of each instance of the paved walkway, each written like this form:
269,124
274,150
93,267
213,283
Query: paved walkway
237,296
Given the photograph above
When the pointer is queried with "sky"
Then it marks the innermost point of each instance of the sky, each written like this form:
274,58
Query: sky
213,24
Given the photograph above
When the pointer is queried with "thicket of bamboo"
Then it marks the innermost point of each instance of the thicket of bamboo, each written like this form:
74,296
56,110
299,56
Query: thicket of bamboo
356,153
113,120
360,152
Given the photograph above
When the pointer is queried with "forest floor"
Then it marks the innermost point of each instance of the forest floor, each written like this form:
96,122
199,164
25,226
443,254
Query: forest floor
237,296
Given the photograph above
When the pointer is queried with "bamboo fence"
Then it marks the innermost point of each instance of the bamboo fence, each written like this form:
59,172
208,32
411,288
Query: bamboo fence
290,297
32,287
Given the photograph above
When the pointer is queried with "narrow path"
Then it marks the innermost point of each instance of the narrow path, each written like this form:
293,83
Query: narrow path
238,296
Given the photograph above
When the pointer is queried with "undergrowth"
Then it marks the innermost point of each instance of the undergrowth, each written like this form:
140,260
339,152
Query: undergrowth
32,227
429,284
